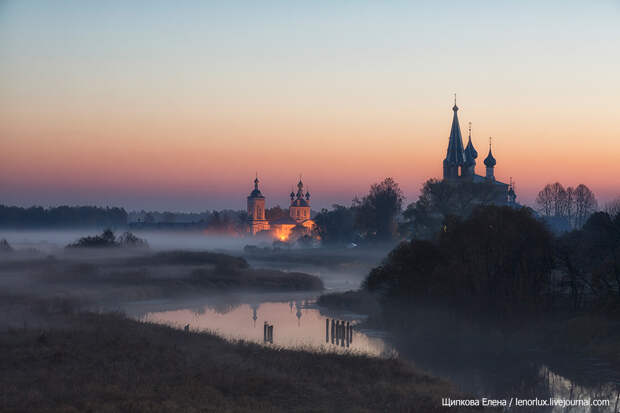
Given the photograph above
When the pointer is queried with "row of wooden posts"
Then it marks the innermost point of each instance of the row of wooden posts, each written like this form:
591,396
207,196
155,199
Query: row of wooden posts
268,333
341,332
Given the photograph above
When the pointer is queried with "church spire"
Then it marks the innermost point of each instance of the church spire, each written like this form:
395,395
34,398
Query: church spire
455,156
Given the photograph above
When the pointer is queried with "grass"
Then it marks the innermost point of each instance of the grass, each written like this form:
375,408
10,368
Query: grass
92,362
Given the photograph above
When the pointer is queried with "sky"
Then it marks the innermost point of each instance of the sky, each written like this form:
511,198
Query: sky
176,105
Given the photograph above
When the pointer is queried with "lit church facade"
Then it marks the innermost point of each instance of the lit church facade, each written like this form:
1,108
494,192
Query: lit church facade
298,221
460,165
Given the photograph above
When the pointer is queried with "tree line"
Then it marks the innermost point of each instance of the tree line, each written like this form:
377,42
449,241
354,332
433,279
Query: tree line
506,262
374,218
570,206
379,216
62,217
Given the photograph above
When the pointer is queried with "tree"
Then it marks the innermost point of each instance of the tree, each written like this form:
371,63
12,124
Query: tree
613,207
275,213
149,218
571,205
585,204
168,217
590,261
376,213
498,259
440,199
129,240
552,200
62,217
336,226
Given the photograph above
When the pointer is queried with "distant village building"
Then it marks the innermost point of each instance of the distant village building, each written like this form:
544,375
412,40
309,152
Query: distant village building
460,165
297,222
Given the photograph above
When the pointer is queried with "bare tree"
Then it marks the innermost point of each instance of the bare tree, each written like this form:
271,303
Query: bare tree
569,205
552,200
613,207
585,204
544,200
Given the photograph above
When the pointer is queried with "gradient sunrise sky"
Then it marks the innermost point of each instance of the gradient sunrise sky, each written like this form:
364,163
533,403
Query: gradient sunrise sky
175,105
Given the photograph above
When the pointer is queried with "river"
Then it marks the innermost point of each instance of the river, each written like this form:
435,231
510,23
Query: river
299,323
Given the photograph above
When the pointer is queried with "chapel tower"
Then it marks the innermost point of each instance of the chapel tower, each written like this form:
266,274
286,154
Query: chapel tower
256,210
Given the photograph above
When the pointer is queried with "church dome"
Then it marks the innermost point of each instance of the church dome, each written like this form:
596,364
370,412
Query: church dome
256,192
470,153
490,160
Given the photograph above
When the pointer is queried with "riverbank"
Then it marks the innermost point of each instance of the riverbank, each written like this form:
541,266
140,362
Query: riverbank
594,334
453,343
57,358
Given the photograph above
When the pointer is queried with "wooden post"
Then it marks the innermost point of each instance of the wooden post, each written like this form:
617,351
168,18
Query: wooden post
327,330
338,332
265,332
271,334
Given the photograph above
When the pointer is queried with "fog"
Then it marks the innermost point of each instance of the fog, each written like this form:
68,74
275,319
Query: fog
51,240
191,288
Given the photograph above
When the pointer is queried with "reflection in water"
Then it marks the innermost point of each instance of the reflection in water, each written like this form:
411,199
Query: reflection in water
526,375
341,333
268,333
275,322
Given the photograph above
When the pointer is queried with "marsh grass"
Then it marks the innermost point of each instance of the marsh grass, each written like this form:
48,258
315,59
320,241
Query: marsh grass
108,363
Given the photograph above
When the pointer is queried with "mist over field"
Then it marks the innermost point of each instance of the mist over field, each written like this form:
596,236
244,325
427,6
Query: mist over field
52,240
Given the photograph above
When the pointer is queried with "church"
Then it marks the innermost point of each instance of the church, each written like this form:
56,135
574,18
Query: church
297,222
460,165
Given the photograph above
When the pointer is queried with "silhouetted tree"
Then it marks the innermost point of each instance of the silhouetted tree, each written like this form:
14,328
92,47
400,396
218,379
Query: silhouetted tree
61,217
168,217
589,259
275,212
552,200
440,199
584,204
108,239
376,213
498,259
335,226
149,218
129,240
613,207
571,205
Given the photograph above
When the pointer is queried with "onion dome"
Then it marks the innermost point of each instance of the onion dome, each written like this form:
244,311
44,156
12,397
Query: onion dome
470,151
307,195
490,160
256,192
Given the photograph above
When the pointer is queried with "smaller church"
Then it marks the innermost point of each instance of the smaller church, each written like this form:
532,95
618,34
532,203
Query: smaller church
298,222
460,165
